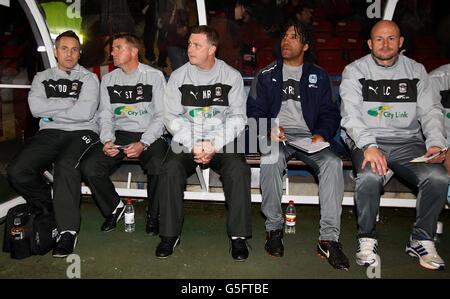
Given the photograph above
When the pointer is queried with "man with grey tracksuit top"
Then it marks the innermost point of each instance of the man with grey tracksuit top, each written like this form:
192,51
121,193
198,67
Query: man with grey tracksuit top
205,112
65,98
131,125
298,95
387,103
440,78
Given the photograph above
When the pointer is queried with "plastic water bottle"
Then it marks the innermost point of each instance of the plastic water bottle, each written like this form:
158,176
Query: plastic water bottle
17,231
439,231
289,227
129,216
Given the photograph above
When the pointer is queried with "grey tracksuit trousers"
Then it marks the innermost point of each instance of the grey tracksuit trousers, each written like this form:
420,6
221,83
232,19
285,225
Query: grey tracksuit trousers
430,179
328,168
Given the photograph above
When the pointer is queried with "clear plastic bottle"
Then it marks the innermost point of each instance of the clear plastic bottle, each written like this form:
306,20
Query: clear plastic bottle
289,227
17,231
439,231
129,216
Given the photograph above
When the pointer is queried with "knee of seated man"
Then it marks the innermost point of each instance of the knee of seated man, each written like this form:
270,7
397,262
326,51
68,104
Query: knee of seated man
332,162
438,178
237,168
368,178
172,167
15,171
89,170
66,167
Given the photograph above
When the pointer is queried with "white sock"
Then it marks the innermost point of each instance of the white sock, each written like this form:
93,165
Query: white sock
235,238
120,205
68,231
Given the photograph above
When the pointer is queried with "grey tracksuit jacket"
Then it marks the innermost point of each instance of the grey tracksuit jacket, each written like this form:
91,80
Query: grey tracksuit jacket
440,78
132,102
392,103
65,100
205,105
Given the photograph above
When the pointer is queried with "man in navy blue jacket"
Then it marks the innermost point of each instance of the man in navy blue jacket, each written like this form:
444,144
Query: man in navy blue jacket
295,100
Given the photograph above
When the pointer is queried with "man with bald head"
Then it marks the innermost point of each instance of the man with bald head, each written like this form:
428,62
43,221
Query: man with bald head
391,115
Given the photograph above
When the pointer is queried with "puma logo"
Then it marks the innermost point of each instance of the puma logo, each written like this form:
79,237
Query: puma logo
119,93
375,90
52,86
194,94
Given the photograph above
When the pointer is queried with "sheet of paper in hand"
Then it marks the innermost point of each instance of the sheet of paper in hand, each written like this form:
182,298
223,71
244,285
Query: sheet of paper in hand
424,158
306,145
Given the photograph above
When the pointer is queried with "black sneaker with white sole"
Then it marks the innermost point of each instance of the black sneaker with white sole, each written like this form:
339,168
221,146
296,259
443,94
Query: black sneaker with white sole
332,251
238,249
274,243
110,222
66,243
166,246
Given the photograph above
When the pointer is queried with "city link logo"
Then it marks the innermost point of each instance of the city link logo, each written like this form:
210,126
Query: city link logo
384,111
129,110
204,112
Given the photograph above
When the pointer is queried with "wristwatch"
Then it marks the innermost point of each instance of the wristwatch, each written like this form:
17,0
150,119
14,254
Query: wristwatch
145,144
365,147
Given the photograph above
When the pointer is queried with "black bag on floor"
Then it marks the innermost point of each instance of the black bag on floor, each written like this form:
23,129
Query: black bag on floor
29,231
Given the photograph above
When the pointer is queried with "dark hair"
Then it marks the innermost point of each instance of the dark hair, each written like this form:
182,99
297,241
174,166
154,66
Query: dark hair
131,39
211,34
301,29
68,33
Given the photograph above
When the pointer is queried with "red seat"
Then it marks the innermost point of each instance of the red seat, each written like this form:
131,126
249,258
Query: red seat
355,48
12,51
323,35
264,56
333,67
350,25
101,70
329,55
342,7
332,43
320,13
425,54
425,42
322,26
433,63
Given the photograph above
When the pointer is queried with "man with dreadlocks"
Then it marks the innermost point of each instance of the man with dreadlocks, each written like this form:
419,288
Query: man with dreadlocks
298,96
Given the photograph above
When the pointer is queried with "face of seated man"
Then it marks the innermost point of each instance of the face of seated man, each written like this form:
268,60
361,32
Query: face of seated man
385,42
67,52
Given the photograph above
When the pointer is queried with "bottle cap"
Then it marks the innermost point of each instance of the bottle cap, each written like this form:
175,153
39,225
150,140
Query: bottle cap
129,201
17,221
291,202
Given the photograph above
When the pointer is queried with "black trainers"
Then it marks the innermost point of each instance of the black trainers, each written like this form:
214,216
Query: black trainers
239,250
166,246
332,251
66,245
151,225
274,243
110,222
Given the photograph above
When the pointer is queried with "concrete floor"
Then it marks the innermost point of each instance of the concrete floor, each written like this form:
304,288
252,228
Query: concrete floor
203,252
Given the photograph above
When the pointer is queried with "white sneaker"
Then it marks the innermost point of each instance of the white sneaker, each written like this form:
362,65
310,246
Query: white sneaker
366,254
426,252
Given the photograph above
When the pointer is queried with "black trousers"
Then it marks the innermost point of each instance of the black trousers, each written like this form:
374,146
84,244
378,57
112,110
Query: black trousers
64,149
96,169
235,176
